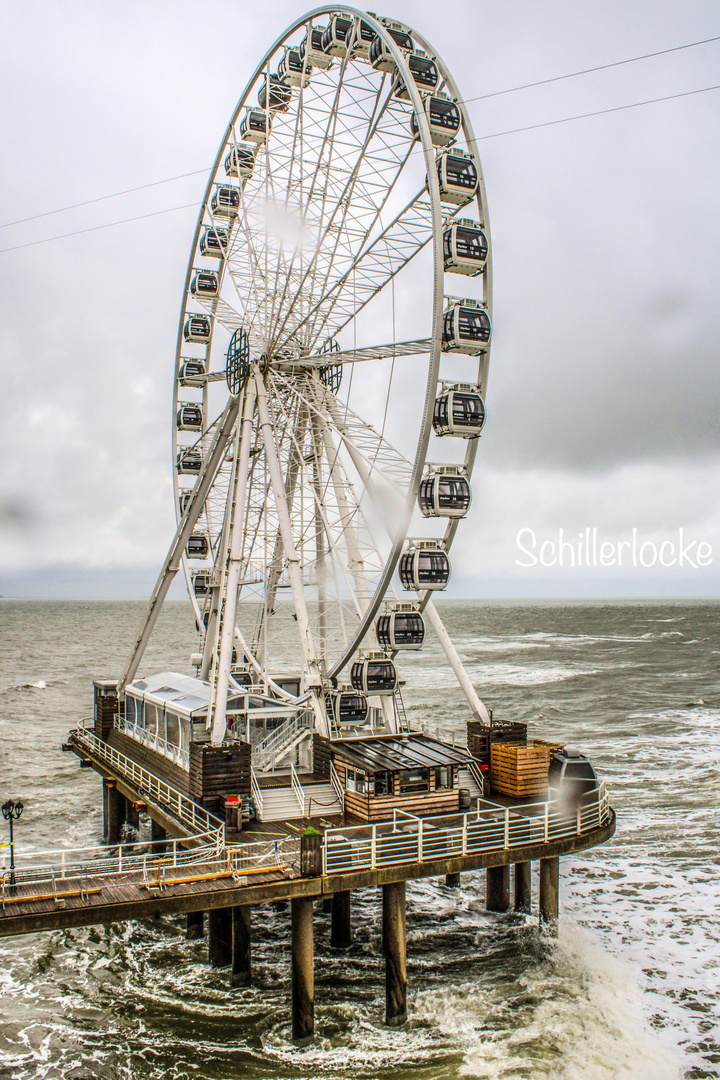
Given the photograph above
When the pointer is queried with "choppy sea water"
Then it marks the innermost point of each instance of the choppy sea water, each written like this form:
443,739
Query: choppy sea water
631,990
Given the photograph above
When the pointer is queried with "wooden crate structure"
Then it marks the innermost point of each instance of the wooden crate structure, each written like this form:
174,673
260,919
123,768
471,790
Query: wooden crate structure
521,769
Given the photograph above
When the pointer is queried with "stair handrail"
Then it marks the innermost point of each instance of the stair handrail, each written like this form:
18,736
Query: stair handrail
335,781
477,776
282,737
256,792
298,789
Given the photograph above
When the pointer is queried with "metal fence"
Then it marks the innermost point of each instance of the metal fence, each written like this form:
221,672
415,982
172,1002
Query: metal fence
410,839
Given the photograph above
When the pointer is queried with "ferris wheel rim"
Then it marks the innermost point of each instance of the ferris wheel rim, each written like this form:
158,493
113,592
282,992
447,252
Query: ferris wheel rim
438,287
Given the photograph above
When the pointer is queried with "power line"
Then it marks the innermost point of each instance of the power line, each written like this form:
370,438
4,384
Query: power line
102,198
94,228
480,97
599,112
588,71
494,135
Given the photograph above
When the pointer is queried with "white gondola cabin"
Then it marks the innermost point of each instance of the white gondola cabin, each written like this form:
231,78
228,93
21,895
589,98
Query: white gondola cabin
197,329
459,410
465,248
293,70
255,126
214,242
202,582
466,328
189,462
373,674
198,546
444,492
348,706
359,38
192,373
401,627
189,417
240,162
443,117
204,283
313,49
458,177
225,201
423,71
424,565
380,56
280,97
333,39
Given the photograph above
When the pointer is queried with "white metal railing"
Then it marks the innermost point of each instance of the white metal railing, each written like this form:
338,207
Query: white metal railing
298,789
154,742
196,818
256,792
409,839
477,775
269,750
335,781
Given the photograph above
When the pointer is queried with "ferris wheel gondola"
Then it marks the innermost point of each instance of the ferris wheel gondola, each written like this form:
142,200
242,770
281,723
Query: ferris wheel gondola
335,190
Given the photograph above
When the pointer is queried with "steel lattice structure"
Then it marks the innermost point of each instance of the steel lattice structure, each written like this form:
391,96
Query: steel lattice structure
318,332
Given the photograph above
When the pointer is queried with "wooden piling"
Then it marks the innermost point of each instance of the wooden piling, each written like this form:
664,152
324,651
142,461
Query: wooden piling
195,925
550,893
220,936
395,949
303,976
340,929
523,888
113,812
497,888
241,946
452,881
158,835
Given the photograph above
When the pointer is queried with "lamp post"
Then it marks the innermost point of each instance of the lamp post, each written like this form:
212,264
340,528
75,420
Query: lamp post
11,811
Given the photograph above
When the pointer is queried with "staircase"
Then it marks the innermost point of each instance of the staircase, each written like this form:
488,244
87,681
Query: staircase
282,804
467,780
269,753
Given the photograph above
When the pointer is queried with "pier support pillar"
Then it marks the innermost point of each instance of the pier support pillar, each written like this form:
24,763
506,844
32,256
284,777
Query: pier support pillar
220,936
327,905
523,890
497,888
340,930
303,976
158,835
132,816
195,925
241,946
550,893
113,813
452,881
395,949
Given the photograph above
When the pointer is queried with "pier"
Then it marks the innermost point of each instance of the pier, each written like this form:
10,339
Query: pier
193,865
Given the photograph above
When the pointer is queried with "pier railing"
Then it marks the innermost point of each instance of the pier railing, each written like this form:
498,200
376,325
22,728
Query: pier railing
410,839
200,825
152,740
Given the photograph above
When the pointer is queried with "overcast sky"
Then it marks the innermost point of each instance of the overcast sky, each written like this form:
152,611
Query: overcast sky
604,383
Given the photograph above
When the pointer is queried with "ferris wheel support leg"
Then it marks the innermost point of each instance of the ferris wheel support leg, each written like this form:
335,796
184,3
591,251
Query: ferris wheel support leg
293,559
184,531
227,633
478,709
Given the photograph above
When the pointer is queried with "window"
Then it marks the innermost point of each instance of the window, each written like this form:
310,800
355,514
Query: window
130,709
383,783
443,778
173,728
355,780
414,780
150,718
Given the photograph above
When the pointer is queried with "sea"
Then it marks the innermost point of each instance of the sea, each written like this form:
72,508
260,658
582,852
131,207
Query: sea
629,991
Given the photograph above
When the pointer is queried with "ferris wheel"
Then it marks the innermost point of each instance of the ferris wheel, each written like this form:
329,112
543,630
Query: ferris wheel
330,372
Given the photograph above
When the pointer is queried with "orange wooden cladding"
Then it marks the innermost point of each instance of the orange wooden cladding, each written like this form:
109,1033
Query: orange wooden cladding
521,769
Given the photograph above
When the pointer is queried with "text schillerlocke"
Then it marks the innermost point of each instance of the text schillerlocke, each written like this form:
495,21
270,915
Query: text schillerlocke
587,549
